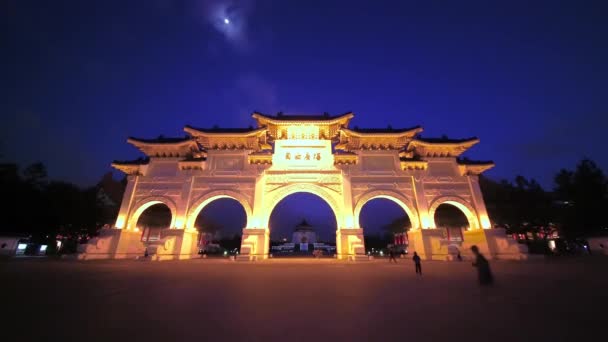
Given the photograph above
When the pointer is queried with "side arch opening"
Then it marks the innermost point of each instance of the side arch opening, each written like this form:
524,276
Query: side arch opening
385,222
452,215
220,224
153,220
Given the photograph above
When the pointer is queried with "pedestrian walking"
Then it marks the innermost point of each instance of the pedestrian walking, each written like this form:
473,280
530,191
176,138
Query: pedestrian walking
391,256
416,259
483,268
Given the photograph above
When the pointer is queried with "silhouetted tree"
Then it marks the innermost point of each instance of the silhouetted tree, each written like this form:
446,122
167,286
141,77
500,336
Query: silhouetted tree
12,188
204,224
398,225
46,208
378,241
522,206
35,174
583,195
109,193
231,243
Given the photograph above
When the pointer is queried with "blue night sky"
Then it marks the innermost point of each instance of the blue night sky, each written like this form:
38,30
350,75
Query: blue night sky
528,78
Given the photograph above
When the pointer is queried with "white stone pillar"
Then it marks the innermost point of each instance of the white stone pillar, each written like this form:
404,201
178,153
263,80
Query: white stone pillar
348,219
426,243
127,200
259,212
255,243
183,204
421,203
478,202
258,202
350,243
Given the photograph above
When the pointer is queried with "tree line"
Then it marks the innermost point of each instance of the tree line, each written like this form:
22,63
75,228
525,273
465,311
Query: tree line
43,208
575,207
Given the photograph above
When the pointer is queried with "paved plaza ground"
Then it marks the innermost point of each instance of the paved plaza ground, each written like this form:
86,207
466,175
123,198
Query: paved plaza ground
559,299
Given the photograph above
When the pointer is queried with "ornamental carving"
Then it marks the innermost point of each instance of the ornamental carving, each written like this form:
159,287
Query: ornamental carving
334,187
440,180
163,179
160,192
330,179
383,185
272,187
223,185
276,179
359,186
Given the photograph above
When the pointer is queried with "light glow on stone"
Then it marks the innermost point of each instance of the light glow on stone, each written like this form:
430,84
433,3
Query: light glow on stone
179,222
120,222
485,222
424,219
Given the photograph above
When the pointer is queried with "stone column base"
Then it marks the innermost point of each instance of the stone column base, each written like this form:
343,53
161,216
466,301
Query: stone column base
112,244
427,243
254,244
175,244
495,244
350,244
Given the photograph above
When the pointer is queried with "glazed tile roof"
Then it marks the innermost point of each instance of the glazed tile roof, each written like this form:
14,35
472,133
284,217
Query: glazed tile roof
384,130
466,161
138,161
223,130
161,140
297,117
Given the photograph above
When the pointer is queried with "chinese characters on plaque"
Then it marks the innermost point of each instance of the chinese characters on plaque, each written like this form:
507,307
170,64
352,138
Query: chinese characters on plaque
302,156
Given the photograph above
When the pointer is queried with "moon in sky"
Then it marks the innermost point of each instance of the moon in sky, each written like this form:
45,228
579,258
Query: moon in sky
229,18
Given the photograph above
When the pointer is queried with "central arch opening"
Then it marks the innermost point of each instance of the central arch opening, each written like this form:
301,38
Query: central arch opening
302,225
385,224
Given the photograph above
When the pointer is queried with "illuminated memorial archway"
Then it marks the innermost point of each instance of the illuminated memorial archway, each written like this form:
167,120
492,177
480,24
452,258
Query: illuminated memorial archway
286,154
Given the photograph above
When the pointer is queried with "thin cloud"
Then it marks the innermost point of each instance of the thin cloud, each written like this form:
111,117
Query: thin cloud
252,92
230,19
554,139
